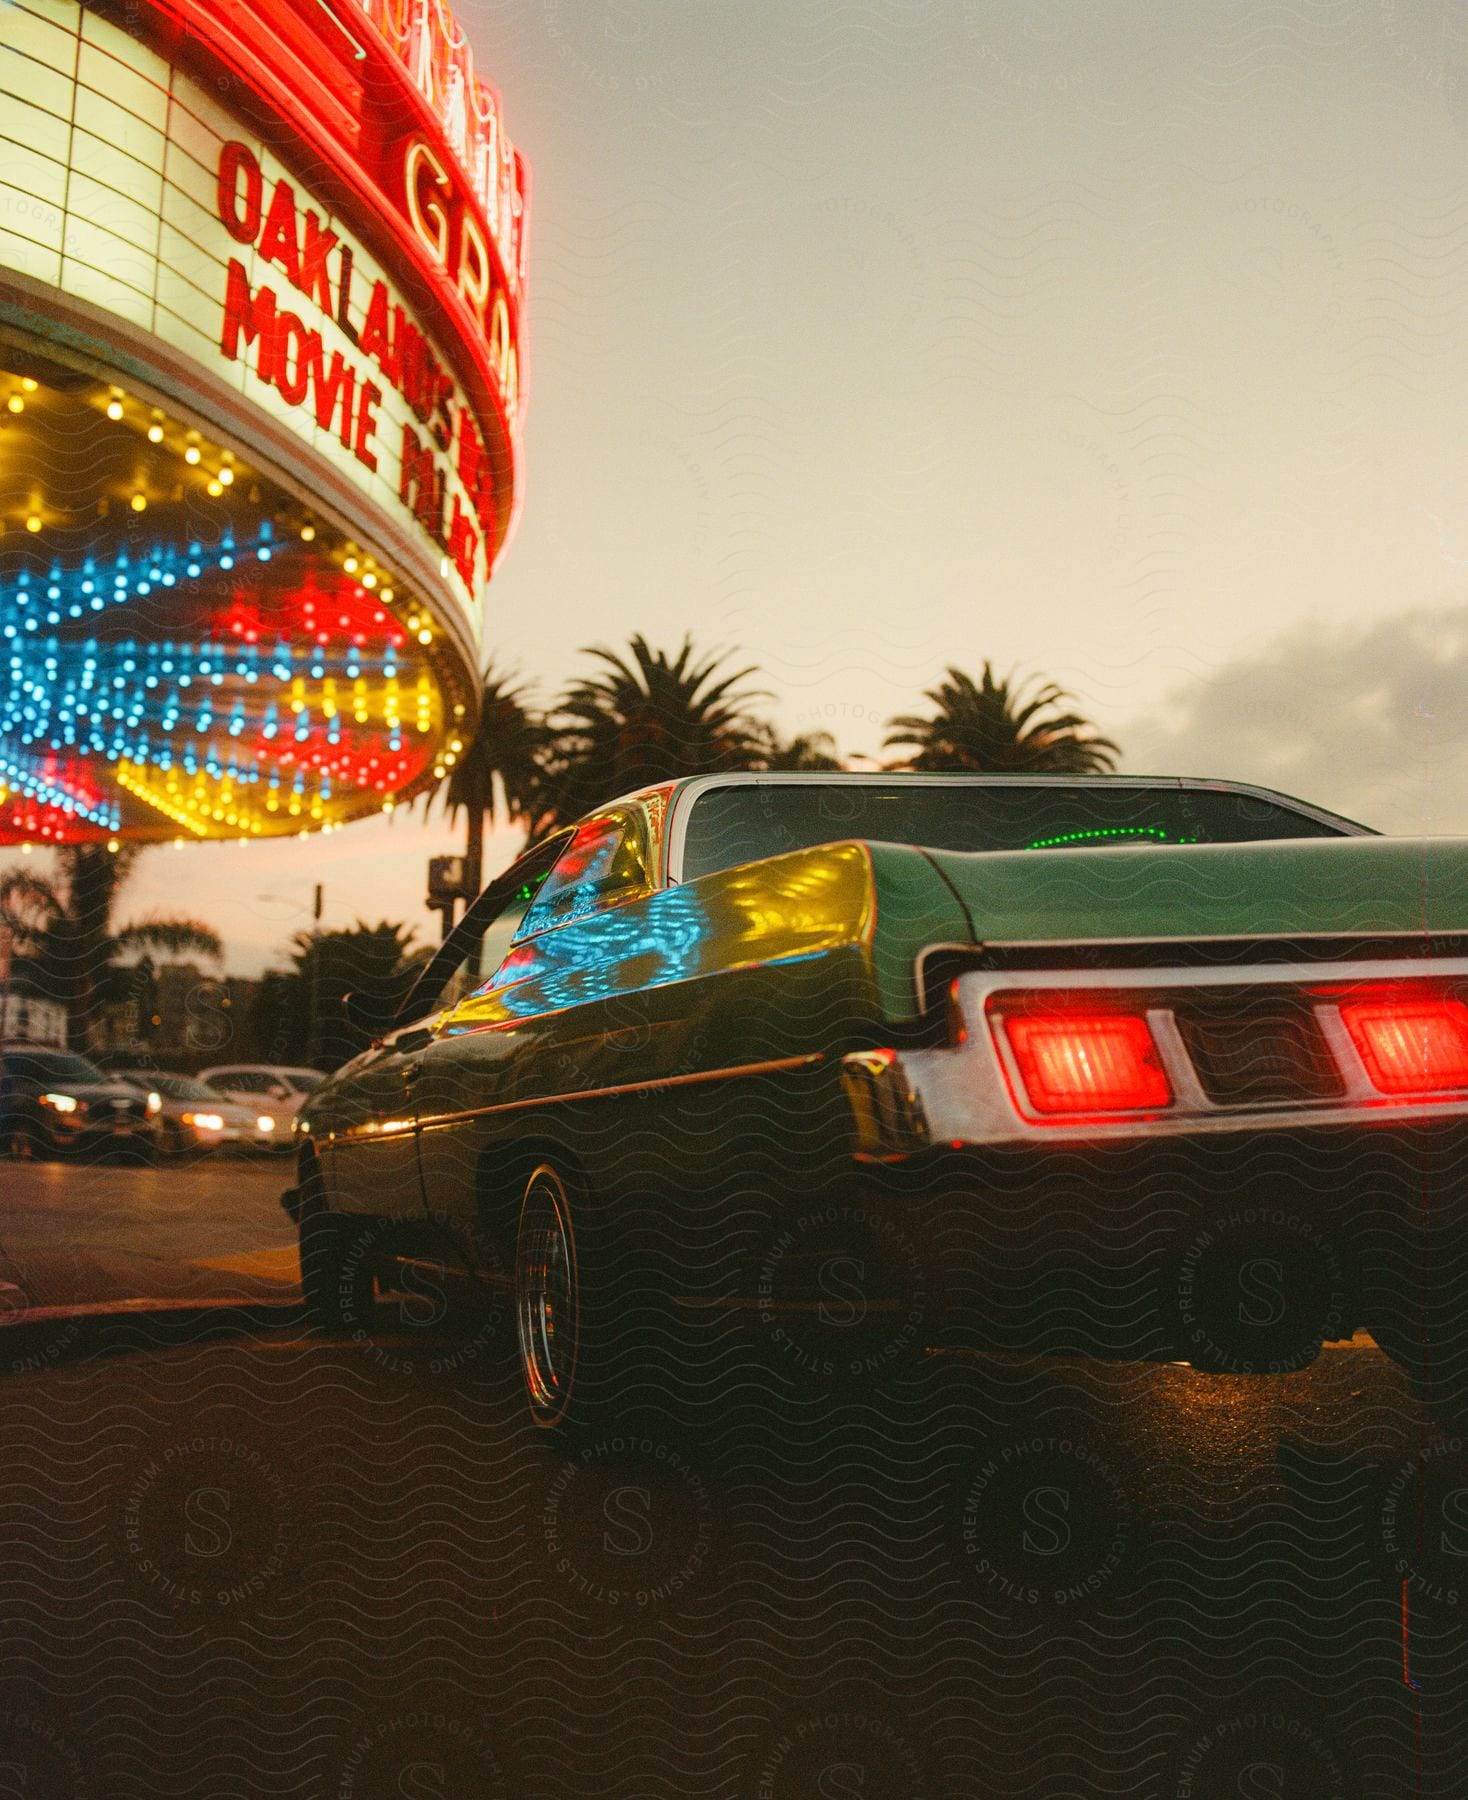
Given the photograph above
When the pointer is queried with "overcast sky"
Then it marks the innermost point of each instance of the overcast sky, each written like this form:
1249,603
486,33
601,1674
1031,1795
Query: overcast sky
1120,342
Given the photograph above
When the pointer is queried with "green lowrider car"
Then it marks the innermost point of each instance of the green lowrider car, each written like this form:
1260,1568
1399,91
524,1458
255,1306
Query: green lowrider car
794,1077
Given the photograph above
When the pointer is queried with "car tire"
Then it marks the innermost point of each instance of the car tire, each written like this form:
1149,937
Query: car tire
338,1273
592,1333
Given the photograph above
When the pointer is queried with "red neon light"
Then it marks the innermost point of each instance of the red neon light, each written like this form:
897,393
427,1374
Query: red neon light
1089,1063
362,87
1411,1046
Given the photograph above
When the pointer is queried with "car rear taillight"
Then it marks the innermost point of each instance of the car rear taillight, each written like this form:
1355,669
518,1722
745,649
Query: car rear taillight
1088,1062
1410,1046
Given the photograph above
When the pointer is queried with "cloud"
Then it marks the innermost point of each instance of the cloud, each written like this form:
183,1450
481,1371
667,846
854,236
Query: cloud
1371,721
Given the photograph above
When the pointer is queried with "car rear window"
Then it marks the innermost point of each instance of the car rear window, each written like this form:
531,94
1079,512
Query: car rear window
247,1081
53,1066
180,1087
747,821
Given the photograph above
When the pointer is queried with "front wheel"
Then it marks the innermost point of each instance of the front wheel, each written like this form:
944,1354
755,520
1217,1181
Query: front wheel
338,1277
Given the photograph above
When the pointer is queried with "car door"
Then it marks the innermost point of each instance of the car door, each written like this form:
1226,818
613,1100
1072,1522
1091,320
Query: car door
363,1119
491,1053
366,1118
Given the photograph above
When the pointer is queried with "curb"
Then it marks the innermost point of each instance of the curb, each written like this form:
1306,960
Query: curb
40,1338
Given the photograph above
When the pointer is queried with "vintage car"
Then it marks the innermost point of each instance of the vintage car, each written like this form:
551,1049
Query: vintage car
810,1074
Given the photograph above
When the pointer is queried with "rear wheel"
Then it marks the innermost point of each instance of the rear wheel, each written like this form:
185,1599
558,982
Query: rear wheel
596,1342
548,1300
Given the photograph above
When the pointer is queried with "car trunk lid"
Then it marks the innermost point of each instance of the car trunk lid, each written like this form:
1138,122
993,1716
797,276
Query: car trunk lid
1358,886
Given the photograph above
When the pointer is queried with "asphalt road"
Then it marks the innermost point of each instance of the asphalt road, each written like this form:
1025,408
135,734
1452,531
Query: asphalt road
280,1564
104,1231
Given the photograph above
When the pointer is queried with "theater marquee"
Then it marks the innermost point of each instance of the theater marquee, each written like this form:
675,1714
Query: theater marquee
261,270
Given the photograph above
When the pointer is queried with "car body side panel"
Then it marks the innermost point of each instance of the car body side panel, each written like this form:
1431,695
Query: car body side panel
658,1016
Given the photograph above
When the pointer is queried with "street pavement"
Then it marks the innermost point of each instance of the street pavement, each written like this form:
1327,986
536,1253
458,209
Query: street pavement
276,1563
92,1231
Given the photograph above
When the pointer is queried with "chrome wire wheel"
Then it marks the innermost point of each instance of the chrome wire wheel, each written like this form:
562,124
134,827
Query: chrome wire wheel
546,1300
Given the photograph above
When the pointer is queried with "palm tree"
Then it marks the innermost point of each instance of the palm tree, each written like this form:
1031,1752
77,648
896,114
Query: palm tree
376,959
64,922
994,727
810,751
496,768
646,717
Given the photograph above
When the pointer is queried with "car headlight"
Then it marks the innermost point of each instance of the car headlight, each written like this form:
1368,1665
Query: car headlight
155,1104
265,1123
204,1121
62,1103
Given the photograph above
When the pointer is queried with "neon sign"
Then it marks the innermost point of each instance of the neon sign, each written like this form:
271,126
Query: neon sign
280,336
431,45
292,355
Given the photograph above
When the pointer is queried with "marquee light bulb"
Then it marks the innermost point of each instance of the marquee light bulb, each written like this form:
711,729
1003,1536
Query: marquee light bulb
114,409
28,384
226,475
350,565
16,404
33,523
215,489
308,533
139,502
155,434
191,455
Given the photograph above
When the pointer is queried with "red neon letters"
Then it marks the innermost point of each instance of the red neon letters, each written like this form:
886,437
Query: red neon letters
291,354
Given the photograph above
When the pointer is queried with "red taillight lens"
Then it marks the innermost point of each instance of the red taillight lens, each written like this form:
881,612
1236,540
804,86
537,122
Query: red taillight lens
1411,1046
1088,1063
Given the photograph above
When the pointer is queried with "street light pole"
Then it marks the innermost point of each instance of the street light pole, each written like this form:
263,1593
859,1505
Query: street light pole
315,1038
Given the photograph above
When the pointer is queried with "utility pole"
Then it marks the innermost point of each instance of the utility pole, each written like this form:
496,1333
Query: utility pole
447,885
315,1035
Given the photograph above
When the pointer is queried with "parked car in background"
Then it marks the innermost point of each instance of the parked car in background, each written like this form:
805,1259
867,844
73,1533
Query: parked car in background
275,1090
194,1118
55,1103
862,1065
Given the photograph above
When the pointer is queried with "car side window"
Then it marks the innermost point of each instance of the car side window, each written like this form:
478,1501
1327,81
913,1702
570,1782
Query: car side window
484,957
605,862
477,945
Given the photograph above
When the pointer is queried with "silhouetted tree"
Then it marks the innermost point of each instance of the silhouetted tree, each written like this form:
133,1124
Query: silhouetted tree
497,772
328,965
646,717
1000,727
64,923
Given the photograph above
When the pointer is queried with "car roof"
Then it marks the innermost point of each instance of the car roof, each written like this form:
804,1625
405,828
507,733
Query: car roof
685,792
677,795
